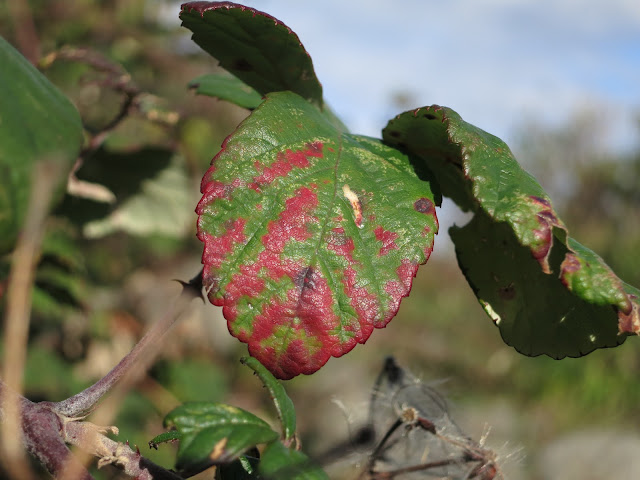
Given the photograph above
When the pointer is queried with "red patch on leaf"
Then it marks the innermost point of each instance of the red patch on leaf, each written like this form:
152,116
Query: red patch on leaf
285,162
363,302
630,322
308,306
397,289
544,235
213,190
217,248
388,240
308,309
570,265
291,225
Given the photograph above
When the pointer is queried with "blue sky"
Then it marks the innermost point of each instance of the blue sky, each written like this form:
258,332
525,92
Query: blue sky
496,62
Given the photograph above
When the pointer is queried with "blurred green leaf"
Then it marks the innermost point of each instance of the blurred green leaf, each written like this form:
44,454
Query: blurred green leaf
60,283
536,314
161,207
227,87
282,463
37,122
43,371
193,380
282,402
213,433
255,47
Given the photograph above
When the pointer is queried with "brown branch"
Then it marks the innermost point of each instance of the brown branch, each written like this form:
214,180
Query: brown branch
91,438
134,100
24,29
39,433
18,310
130,369
45,434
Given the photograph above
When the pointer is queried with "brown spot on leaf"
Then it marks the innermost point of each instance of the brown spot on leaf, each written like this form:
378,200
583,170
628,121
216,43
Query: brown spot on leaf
429,116
218,450
542,201
630,322
508,292
315,148
355,204
569,266
424,205
305,278
241,65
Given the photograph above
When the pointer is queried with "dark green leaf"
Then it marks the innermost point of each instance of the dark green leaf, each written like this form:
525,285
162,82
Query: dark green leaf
513,215
284,405
37,122
244,468
212,433
312,235
255,47
227,87
536,314
282,463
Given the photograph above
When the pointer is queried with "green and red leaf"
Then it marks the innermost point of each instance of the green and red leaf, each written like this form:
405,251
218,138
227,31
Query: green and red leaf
255,47
478,171
312,235
558,297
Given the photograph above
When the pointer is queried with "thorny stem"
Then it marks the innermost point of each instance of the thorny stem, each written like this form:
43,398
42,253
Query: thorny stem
127,372
46,427
414,468
134,363
45,434
132,463
39,434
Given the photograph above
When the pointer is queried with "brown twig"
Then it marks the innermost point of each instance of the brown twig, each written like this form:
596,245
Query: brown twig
45,434
47,173
91,439
24,29
134,100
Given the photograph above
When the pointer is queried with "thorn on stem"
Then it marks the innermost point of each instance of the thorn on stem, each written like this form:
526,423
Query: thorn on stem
193,287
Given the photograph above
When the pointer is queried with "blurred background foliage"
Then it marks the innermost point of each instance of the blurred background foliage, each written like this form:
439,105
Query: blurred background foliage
110,255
